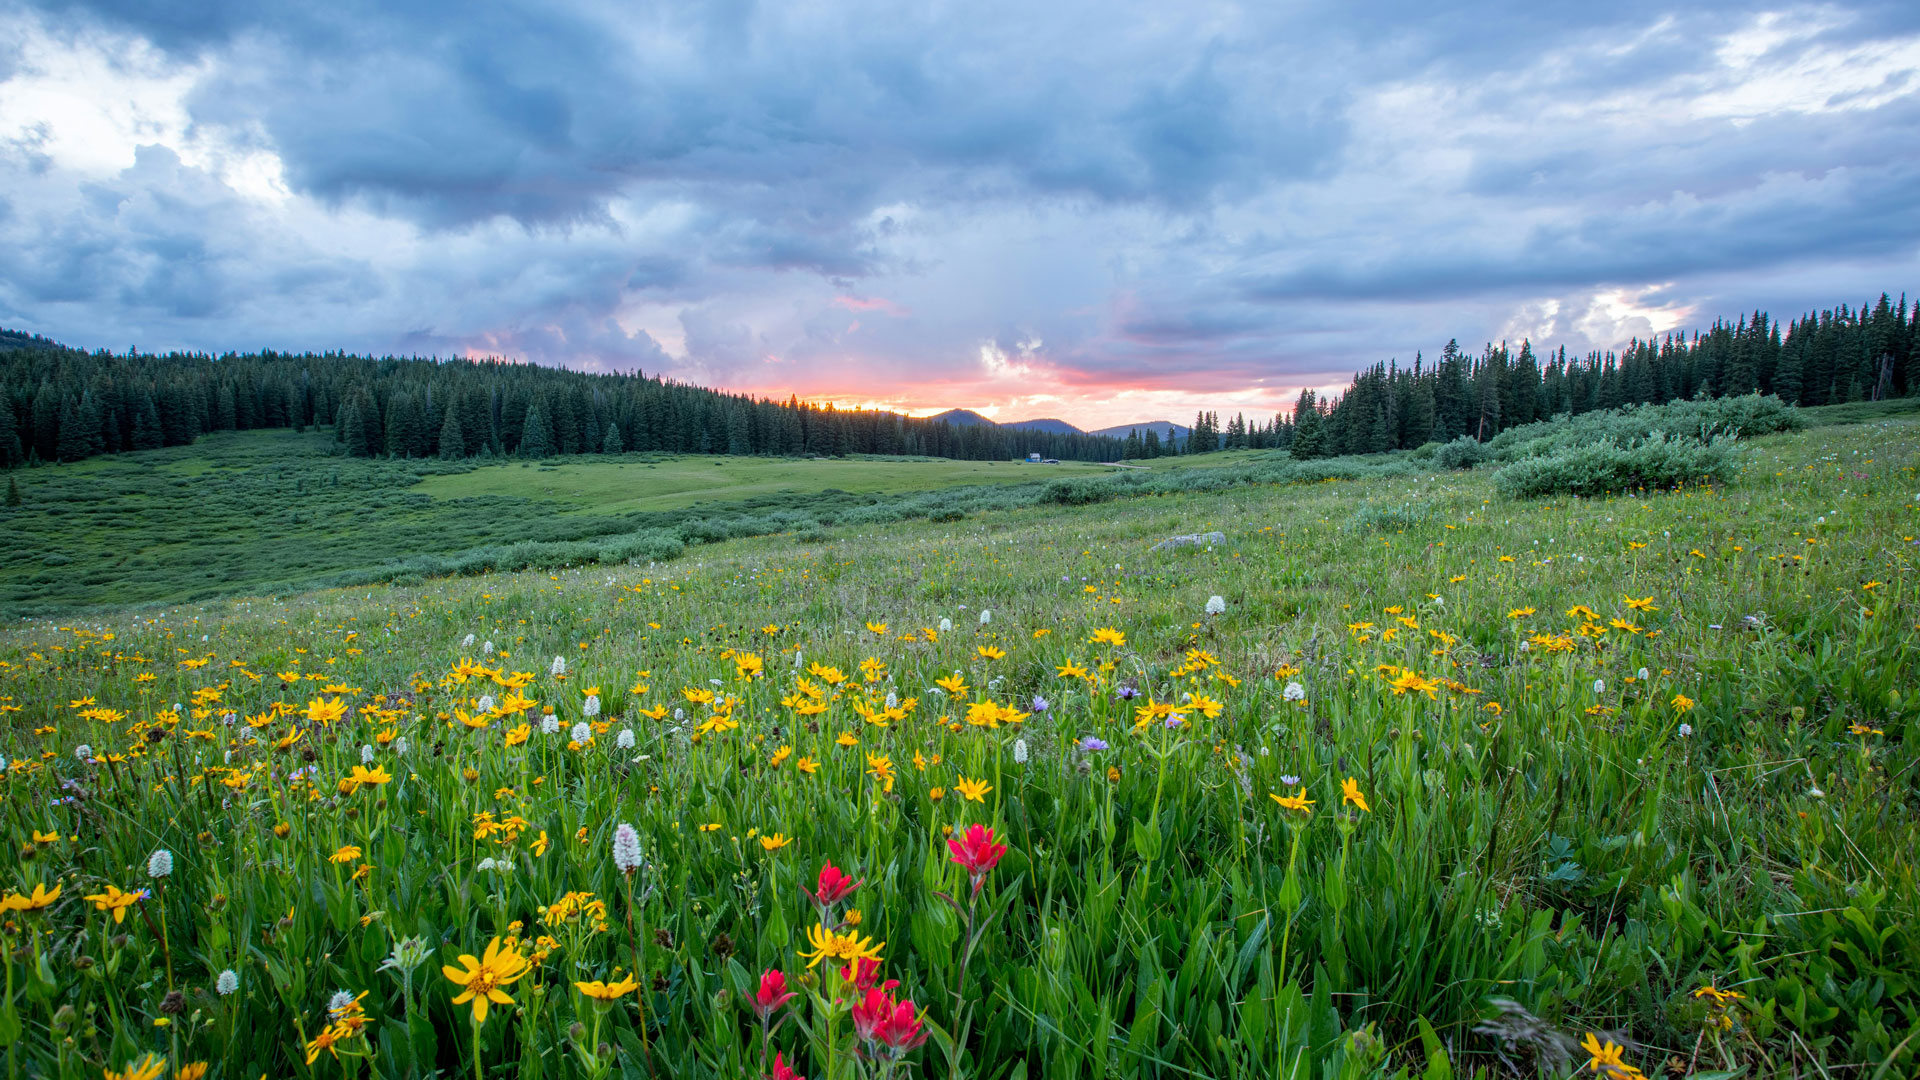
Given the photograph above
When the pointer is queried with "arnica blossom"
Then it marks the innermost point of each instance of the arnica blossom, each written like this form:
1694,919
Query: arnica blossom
775,841
977,853
626,848
1350,793
1297,802
39,900
160,863
845,946
1682,703
227,984
116,901
974,790
773,993
1608,1059
147,1068
607,992
481,979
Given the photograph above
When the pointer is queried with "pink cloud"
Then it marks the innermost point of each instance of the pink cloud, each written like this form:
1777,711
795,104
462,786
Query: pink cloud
875,303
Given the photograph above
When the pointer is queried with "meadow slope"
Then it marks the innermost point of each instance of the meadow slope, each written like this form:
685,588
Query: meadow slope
1447,784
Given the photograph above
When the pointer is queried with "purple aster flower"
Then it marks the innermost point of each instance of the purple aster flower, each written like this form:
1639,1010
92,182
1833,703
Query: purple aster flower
1039,703
1092,743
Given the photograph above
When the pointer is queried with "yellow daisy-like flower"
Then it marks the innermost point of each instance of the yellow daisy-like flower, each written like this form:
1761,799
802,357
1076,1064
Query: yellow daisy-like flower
1297,801
991,652
1350,793
38,900
1107,635
975,790
600,991
845,946
482,978
775,842
346,854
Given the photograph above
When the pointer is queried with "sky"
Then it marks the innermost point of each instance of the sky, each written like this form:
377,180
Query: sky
1103,212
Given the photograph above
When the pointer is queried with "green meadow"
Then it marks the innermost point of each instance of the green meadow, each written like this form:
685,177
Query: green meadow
1406,778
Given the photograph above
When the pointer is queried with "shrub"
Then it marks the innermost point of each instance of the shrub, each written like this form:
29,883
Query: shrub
1701,421
1462,453
1608,467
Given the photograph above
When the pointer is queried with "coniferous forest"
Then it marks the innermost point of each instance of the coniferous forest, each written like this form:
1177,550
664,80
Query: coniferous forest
62,404
1821,358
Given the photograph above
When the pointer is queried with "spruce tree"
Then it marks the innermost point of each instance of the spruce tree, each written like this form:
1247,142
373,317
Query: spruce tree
453,445
536,438
611,444
13,492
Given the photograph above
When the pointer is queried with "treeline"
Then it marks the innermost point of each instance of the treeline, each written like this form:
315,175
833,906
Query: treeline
1822,358
61,404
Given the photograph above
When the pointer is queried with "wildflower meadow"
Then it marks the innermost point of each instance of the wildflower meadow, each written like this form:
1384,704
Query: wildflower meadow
1405,777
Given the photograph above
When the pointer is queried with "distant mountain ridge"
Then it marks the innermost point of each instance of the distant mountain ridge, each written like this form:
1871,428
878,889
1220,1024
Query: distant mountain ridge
967,418
1119,431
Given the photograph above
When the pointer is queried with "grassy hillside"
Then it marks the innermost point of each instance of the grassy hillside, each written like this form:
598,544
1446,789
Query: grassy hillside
269,510
1550,769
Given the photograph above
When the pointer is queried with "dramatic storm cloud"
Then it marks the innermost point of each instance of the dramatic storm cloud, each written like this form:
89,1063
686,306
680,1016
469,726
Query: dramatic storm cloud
1095,212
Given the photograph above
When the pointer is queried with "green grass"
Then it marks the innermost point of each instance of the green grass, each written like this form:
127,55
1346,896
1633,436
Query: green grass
676,483
276,510
1546,854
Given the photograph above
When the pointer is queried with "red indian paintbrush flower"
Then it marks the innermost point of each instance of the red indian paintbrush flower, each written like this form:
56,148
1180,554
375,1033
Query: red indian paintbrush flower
880,1018
834,887
864,974
977,852
783,1071
773,993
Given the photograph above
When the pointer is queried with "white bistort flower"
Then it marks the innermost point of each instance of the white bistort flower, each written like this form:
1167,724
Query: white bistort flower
549,724
1295,692
227,984
624,740
986,616
1216,605
559,666
468,643
1599,686
1019,751
83,752
582,733
626,848
400,746
592,707
160,863
487,649
366,753
946,625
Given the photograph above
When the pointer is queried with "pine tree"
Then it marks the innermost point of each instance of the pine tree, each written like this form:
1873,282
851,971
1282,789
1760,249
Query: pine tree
12,454
536,438
353,430
611,444
453,444
1309,438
